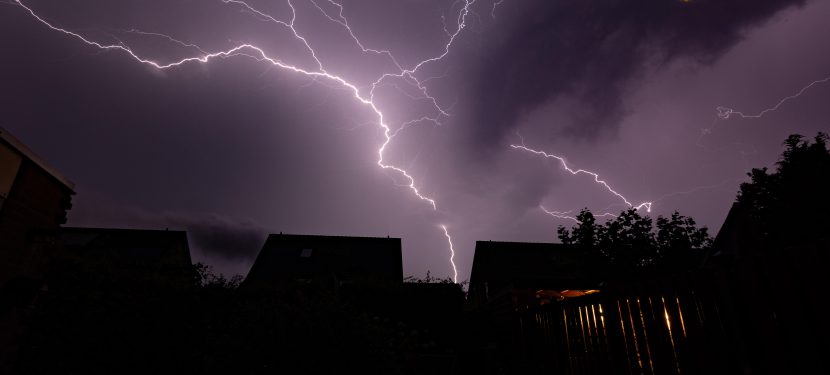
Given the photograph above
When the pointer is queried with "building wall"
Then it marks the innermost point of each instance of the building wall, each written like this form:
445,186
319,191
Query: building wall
35,202
9,165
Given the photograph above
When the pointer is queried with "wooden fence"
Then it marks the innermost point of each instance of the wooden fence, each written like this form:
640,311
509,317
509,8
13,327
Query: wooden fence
763,314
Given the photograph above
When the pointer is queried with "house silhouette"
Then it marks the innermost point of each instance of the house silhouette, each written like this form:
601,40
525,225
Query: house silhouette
331,261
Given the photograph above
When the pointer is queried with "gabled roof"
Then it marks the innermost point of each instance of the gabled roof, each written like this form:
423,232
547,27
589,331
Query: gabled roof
529,264
24,151
290,256
134,246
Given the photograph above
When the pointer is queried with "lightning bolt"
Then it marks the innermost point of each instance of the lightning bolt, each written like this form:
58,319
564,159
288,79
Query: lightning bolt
407,75
725,113
452,254
569,215
594,175
169,38
495,5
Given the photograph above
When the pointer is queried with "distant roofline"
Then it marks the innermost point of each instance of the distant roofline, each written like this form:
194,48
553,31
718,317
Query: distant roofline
332,237
29,154
180,234
521,243
95,229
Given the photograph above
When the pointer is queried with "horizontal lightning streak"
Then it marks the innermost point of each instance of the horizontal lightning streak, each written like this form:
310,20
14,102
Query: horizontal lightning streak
697,189
725,112
568,215
595,175
255,52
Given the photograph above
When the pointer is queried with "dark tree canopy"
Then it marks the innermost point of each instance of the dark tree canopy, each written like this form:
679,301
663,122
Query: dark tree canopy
632,245
790,205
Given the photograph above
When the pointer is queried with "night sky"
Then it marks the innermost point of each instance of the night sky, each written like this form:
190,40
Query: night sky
236,148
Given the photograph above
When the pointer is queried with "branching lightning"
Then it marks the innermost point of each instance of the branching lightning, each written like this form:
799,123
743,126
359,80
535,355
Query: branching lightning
407,75
723,113
564,164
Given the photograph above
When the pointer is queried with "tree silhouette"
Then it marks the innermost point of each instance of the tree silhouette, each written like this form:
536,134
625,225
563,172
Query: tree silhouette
630,245
680,242
789,206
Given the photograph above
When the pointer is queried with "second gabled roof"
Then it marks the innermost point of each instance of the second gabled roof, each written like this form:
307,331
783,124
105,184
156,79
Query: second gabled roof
500,263
288,256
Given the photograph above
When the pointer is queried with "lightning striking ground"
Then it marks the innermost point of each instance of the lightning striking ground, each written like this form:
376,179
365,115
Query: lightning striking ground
407,75
452,254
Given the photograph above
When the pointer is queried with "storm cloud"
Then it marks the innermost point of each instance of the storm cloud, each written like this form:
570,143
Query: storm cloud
210,235
588,52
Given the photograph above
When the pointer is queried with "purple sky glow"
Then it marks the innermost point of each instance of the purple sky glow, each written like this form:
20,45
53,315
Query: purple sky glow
274,138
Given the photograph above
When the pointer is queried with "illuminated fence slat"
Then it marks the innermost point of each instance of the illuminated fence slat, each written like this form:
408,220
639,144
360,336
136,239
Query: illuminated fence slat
632,314
619,324
671,334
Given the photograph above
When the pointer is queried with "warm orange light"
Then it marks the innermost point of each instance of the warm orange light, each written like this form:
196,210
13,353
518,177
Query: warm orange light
544,296
577,293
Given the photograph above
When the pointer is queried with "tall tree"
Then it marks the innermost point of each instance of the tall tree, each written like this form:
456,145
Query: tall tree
790,206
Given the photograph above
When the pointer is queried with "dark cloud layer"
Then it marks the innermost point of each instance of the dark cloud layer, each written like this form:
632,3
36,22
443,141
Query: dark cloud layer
211,235
589,51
